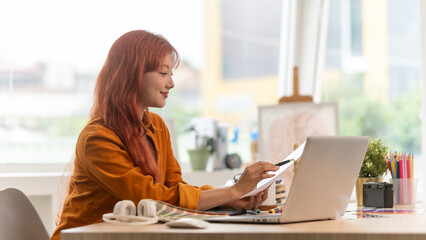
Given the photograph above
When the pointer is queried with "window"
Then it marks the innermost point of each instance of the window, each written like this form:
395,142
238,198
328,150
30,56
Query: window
51,53
372,69
250,37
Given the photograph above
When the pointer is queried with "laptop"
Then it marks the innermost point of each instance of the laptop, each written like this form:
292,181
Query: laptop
322,184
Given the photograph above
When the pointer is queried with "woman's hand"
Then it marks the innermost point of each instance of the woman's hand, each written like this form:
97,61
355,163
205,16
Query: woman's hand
251,202
252,175
231,195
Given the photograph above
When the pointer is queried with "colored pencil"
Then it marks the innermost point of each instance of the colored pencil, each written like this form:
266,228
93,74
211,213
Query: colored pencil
397,167
393,166
388,164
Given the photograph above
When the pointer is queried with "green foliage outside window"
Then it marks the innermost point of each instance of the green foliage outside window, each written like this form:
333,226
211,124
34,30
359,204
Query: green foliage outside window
395,121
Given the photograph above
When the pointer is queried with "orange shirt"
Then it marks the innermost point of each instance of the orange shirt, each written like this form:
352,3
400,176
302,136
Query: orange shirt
104,174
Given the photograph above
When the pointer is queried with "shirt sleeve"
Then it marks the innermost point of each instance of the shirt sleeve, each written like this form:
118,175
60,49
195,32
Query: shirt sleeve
109,165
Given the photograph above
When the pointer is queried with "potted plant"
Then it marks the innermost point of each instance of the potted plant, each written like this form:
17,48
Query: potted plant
373,167
200,155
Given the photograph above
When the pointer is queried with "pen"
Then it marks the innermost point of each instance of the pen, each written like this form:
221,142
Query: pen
284,162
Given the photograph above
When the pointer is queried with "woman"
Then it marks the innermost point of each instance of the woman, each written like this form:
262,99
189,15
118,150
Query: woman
124,151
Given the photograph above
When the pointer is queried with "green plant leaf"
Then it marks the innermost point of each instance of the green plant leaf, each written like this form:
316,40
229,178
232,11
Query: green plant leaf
374,164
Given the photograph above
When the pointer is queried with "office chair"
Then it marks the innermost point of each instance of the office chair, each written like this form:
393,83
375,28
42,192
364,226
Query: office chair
19,219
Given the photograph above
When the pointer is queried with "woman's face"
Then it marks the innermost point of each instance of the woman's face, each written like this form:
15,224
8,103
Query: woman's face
157,84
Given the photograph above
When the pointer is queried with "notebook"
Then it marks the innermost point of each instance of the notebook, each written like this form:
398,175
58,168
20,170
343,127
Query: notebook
322,184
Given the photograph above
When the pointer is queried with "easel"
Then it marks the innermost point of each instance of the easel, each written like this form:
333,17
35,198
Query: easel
296,97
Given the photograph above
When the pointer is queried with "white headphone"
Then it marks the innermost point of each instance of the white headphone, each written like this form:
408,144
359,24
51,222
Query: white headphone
125,213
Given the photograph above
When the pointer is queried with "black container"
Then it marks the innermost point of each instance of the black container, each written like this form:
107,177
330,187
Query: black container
378,194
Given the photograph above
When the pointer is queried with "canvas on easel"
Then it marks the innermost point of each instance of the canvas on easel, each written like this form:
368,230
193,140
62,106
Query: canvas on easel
283,125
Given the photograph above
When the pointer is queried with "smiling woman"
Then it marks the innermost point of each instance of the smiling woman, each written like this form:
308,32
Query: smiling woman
123,94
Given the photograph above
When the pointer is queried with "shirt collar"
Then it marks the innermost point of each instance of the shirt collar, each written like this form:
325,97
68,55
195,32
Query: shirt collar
149,125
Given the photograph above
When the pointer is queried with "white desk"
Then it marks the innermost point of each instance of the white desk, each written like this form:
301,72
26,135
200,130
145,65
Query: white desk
392,226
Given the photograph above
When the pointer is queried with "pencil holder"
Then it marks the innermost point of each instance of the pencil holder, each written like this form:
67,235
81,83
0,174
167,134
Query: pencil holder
405,190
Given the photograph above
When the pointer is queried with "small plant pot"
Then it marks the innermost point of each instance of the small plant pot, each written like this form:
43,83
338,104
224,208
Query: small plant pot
199,158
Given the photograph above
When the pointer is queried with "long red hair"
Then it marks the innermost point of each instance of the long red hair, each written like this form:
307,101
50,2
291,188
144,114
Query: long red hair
118,92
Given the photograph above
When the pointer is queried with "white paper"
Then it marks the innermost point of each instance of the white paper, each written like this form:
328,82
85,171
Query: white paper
265,183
